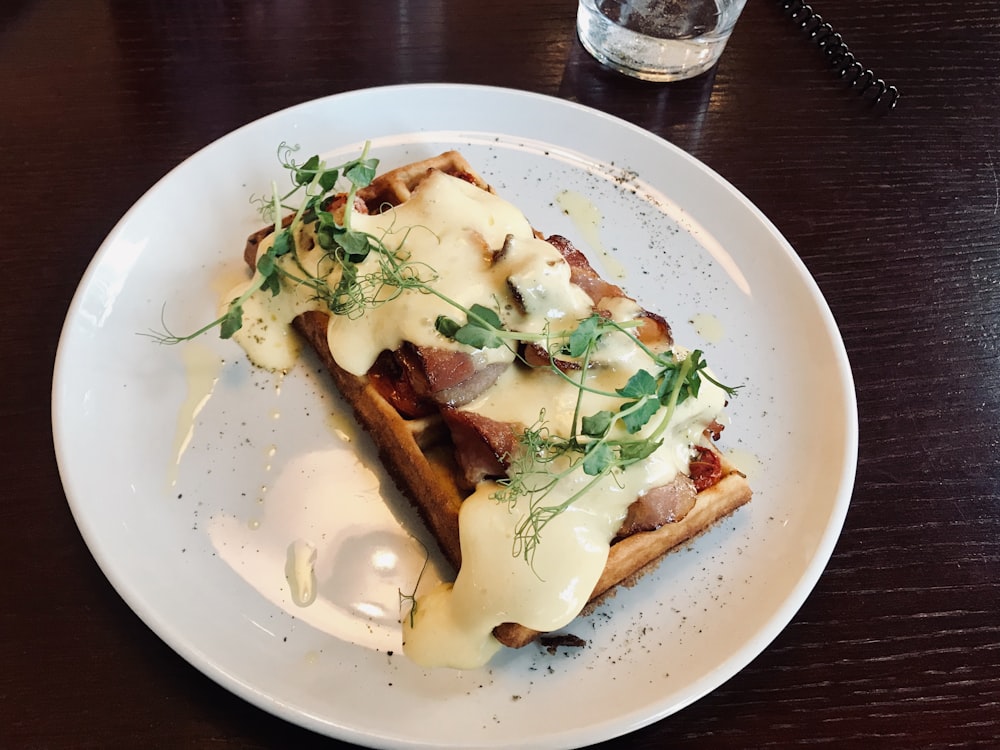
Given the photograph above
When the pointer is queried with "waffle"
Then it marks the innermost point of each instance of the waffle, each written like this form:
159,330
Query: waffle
419,455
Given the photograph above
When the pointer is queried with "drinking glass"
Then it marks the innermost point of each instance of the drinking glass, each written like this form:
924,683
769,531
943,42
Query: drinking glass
657,40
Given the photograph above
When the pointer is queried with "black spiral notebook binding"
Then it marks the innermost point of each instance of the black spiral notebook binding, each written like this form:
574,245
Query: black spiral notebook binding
839,57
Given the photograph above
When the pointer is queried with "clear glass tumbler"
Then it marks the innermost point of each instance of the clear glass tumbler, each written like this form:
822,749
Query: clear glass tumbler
657,40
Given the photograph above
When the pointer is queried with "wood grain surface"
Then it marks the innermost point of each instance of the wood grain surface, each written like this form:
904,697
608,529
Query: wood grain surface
896,214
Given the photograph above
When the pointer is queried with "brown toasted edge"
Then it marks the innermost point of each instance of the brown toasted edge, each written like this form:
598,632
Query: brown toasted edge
393,187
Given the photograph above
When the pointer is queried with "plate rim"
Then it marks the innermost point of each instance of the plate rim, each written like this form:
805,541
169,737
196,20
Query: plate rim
775,624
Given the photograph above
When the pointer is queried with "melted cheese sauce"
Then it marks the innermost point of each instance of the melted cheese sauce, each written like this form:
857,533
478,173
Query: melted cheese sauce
300,572
202,368
540,280
475,248
708,327
267,335
587,219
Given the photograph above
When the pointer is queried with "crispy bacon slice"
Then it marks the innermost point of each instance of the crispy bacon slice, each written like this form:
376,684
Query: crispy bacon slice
654,331
483,446
416,380
582,273
535,355
447,377
671,502
388,377
667,503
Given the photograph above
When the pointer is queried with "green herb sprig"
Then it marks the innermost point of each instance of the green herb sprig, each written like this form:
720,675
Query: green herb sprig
345,245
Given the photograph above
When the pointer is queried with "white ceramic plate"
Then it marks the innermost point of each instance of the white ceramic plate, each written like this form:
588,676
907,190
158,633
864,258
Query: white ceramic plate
190,473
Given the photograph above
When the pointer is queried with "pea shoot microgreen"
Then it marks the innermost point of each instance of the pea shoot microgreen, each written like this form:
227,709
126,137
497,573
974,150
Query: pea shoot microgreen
344,245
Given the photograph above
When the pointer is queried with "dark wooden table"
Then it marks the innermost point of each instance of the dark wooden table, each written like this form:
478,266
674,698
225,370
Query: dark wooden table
896,215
